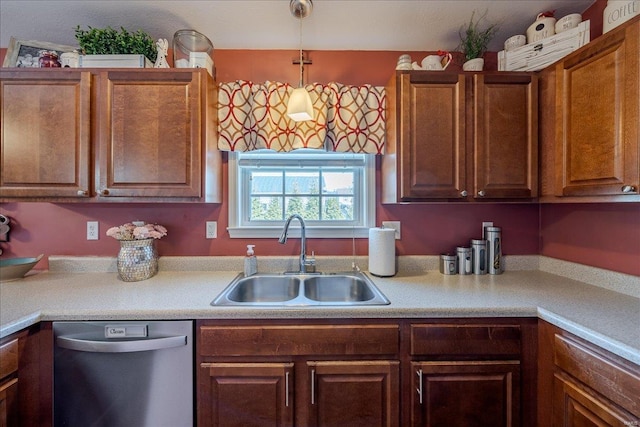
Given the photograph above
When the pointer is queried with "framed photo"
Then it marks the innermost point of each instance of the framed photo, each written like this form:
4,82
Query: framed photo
25,53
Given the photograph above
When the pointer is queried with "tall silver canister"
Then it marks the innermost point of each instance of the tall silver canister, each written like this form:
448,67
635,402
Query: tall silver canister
494,250
479,256
465,264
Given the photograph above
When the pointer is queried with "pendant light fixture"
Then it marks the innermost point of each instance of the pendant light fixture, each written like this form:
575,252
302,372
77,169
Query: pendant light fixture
300,108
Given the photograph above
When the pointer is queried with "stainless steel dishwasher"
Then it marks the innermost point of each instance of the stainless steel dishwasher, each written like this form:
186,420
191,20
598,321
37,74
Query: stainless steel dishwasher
113,374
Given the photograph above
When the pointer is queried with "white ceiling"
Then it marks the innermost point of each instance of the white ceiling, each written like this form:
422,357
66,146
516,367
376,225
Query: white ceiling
414,25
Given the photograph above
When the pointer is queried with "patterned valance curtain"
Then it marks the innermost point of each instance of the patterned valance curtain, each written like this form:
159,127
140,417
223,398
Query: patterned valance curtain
252,116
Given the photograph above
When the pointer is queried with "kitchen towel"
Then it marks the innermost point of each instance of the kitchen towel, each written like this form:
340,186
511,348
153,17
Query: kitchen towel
382,252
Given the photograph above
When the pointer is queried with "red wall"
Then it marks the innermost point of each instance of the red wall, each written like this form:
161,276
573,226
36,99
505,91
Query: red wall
602,235
605,236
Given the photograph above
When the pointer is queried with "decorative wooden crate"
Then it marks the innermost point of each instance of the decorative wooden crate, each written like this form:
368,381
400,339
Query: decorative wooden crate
536,56
114,61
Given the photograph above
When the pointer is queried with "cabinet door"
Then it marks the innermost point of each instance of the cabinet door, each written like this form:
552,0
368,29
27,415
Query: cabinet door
597,139
45,131
150,134
9,403
574,405
245,394
468,393
358,393
505,136
432,136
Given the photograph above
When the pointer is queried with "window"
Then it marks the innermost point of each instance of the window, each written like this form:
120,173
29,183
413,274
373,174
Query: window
333,192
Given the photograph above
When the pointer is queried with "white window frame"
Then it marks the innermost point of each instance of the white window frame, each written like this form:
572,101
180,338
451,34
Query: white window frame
366,203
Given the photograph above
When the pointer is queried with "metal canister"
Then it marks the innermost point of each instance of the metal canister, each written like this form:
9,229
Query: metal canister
448,264
494,250
465,265
479,256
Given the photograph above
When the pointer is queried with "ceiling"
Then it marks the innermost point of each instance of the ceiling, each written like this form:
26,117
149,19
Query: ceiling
414,25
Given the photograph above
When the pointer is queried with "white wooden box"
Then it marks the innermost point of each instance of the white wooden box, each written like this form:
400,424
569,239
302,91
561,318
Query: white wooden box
114,61
536,56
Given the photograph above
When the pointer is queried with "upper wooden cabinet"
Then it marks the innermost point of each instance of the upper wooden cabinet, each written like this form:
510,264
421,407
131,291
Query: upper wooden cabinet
109,135
460,137
46,133
591,137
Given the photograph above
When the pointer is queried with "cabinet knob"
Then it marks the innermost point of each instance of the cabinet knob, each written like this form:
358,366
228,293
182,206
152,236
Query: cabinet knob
628,189
463,193
104,192
83,193
481,193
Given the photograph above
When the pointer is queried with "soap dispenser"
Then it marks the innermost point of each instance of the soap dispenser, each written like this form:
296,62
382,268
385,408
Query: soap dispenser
250,262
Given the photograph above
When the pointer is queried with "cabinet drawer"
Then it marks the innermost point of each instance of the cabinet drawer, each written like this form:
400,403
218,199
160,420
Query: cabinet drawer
298,340
465,340
619,383
8,358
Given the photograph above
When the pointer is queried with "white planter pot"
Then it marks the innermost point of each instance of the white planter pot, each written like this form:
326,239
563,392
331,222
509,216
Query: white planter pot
475,64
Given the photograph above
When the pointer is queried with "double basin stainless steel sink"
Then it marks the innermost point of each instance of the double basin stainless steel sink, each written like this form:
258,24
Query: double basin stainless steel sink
338,289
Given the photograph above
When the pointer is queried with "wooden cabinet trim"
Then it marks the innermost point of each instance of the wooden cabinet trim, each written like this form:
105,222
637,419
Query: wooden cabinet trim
299,340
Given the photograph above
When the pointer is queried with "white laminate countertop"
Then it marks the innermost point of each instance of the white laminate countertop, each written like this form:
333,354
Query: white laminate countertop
89,289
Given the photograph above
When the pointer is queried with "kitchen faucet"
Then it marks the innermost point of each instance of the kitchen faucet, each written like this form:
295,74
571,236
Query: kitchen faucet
306,265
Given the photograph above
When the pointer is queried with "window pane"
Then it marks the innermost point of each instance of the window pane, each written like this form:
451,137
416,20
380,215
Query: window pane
265,182
266,209
337,208
337,183
306,207
297,182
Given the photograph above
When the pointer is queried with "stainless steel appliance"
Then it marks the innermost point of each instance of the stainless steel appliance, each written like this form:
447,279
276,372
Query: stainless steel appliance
113,374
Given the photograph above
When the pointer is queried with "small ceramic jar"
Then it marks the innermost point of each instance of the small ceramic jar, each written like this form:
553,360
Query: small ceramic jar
543,27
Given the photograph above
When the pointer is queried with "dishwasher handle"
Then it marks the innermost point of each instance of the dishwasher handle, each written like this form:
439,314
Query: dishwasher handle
120,346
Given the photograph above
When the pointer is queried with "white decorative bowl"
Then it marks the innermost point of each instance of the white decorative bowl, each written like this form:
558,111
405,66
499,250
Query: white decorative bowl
16,268
568,22
514,42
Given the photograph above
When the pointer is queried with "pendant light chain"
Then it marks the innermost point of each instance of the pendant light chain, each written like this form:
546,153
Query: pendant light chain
301,84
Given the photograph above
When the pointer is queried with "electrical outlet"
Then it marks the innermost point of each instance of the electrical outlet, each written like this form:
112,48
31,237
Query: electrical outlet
486,224
92,230
393,224
212,229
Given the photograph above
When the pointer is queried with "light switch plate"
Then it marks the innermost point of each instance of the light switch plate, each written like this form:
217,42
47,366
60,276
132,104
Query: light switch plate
212,230
393,224
486,224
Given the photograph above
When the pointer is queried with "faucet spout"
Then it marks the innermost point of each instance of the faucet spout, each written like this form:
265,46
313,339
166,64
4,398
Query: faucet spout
305,266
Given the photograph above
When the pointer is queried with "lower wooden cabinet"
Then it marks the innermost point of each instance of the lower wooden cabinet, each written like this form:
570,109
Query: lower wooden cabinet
343,372
471,374
583,385
9,383
246,394
354,393
280,374
575,405
460,394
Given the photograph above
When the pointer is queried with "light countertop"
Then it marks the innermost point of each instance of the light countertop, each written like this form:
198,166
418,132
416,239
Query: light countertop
78,288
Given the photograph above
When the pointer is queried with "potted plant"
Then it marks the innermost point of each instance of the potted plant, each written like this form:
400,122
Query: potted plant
108,41
474,41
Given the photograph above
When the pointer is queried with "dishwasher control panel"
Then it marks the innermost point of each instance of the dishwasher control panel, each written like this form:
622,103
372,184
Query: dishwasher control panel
125,331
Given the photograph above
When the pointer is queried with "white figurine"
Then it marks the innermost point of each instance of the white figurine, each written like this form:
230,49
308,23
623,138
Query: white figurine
163,47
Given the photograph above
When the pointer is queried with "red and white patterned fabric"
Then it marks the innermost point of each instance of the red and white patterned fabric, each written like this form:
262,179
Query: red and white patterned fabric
346,118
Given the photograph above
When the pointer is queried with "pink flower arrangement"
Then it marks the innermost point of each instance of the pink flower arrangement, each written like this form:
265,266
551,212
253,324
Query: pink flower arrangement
130,231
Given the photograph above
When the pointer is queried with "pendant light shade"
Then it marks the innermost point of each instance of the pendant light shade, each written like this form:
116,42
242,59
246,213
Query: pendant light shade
300,107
